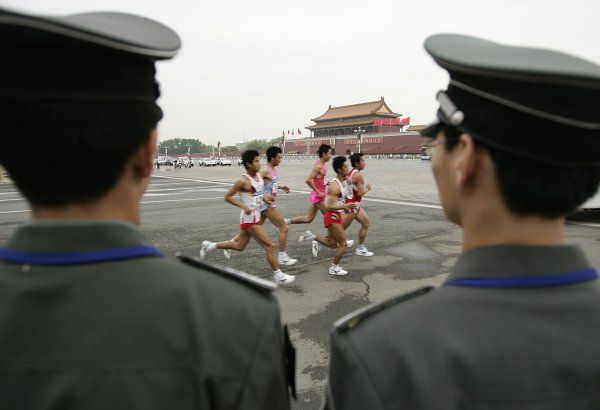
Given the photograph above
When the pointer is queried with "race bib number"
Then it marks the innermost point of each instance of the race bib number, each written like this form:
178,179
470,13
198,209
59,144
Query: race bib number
258,199
348,193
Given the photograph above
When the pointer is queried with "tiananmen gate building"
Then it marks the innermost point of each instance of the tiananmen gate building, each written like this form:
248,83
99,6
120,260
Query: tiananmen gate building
382,131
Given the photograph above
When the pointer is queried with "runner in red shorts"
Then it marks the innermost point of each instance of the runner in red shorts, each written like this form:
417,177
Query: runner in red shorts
251,191
336,204
357,189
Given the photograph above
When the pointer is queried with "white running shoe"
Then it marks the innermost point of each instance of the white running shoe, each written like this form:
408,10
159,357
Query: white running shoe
363,251
286,260
349,243
307,236
203,249
283,278
227,253
316,247
337,270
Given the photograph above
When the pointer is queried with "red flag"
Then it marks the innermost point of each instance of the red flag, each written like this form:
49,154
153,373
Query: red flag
378,123
395,121
299,132
405,121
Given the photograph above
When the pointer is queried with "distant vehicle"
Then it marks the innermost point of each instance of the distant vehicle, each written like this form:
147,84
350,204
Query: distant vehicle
224,161
164,161
209,162
593,202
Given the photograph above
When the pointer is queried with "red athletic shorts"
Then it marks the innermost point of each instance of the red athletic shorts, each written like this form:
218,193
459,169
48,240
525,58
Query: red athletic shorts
245,226
332,218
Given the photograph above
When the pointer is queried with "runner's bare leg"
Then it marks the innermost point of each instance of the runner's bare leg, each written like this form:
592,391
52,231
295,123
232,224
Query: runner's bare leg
336,232
312,212
238,243
260,235
279,221
363,218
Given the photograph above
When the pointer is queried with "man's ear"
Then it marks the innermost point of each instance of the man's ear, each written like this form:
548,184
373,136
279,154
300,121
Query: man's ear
466,161
143,160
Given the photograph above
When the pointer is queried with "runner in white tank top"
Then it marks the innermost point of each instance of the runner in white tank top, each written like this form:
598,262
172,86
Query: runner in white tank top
250,188
269,208
336,203
253,200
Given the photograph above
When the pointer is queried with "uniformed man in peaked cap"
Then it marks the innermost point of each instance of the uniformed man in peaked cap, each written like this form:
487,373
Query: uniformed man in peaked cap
91,316
516,325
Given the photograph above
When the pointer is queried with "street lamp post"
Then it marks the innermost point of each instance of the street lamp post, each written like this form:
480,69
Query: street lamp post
359,132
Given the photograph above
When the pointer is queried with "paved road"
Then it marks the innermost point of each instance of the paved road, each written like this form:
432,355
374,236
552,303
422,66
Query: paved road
413,242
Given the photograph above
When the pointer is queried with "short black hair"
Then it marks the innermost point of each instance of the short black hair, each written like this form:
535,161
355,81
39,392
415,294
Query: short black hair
355,158
70,152
338,162
248,157
323,149
272,152
533,188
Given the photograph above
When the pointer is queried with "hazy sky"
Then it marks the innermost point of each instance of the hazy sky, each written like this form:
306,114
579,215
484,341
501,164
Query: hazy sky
258,67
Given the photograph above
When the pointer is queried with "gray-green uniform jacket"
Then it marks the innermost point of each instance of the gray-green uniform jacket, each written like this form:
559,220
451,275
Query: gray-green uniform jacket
464,347
141,332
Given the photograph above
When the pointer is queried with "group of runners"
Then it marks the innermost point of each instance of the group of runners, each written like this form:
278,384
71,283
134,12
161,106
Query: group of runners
339,201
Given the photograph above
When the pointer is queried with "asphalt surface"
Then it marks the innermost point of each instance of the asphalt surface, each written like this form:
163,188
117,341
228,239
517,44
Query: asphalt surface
414,245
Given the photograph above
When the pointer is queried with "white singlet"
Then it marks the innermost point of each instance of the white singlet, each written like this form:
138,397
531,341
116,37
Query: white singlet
252,199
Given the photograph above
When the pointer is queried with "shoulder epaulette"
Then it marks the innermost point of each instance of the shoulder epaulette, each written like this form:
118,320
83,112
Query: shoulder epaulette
349,321
238,275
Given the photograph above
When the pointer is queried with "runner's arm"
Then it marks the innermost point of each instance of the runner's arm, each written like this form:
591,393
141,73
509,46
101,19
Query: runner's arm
265,175
314,173
268,198
359,181
239,185
332,199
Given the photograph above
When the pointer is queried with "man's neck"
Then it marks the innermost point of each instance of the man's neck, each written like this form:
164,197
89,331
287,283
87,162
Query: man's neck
498,228
122,203
88,211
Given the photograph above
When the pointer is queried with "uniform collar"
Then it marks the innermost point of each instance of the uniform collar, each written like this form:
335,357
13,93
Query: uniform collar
519,261
60,236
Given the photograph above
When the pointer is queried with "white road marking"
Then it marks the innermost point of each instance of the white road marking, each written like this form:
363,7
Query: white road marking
592,225
387,201
194,180
180,200
173,183
184,190
294,191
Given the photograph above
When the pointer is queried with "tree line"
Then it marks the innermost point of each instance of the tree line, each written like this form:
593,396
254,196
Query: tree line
180,146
